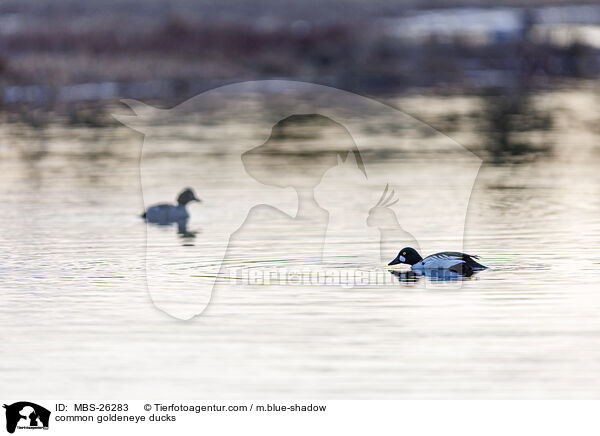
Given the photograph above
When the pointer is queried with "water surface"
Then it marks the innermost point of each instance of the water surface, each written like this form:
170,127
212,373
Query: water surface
77,320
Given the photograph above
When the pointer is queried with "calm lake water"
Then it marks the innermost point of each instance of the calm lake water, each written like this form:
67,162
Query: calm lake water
77,320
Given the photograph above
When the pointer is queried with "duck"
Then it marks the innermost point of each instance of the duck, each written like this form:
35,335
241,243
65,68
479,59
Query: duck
457,262
170,214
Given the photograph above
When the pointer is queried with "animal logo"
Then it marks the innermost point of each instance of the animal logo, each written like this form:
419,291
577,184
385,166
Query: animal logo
383,217
26,415
346,207
245,148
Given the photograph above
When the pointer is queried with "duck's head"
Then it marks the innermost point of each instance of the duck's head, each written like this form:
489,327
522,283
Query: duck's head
186,196
407,255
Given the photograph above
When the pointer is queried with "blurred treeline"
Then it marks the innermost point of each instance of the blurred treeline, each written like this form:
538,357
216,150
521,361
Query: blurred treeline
74,57
350,44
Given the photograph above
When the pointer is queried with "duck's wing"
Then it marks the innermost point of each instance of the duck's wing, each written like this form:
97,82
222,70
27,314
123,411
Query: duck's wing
447,255
456,254
450,259
162,206
444,260
468,259
159,214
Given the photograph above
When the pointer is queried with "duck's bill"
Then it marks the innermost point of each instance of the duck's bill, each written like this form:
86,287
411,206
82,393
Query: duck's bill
396,261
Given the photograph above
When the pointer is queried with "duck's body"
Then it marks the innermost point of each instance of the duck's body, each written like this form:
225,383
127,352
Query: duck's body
165,214
447,260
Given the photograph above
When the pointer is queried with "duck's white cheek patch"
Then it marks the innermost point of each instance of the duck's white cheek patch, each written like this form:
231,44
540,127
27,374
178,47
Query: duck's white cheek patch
401,258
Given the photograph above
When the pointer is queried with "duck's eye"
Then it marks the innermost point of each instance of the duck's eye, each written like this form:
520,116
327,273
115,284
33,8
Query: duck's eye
404,253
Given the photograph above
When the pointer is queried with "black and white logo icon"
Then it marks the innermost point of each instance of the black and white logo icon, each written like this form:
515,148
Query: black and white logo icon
26,415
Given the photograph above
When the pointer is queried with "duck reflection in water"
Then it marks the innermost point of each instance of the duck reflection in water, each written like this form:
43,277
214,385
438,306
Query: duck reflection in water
183,231
406,277
438,275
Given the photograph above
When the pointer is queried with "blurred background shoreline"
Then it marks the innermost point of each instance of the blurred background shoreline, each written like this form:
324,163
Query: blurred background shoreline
65,55
70,63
